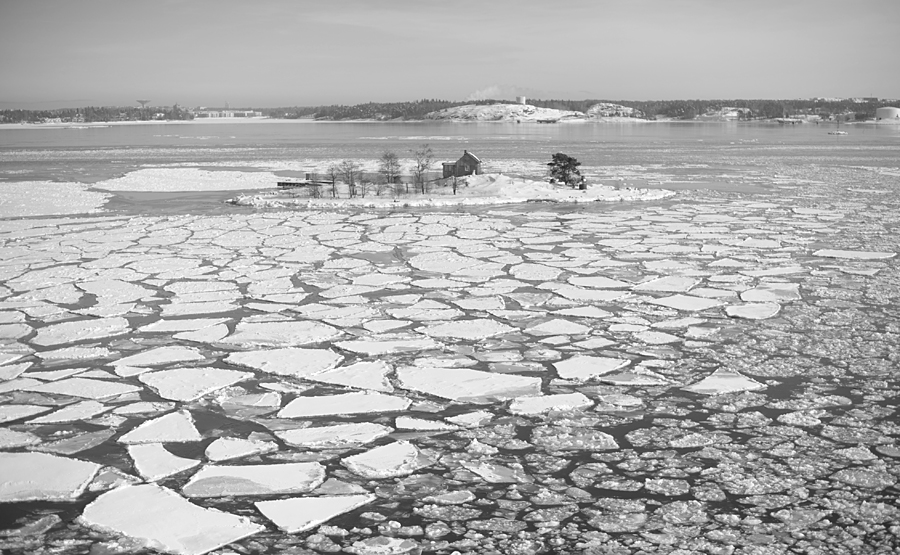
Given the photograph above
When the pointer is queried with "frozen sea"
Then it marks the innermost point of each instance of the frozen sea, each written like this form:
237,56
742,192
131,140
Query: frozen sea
716,372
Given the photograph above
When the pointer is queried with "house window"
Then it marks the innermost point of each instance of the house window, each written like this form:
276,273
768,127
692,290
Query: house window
465,168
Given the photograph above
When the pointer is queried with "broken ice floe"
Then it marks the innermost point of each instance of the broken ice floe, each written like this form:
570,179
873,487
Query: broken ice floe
176,427
339,436
81,330
724,381
857,255
258,479
187,384
753,311
281,334
463,384
347,403
547,403
163,520
297,362
303,513
228,448
153,462
388,461
583,367
43,477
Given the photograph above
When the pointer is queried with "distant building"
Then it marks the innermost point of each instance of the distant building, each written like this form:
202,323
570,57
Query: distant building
887,113
468,164
520,100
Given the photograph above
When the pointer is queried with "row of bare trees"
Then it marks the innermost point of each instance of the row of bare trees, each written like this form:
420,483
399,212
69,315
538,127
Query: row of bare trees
360,183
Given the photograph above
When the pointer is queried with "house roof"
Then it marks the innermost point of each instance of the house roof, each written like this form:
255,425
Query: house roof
469,154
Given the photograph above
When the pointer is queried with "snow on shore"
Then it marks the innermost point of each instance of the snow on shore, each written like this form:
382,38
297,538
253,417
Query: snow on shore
473,190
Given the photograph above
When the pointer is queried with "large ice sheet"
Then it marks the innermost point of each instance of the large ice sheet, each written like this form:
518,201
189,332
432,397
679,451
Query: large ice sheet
686,302
854,255
160,356
257,479
463,384
187,384
346,403
303,513
362,375
377,346
163,520
43,477
547,403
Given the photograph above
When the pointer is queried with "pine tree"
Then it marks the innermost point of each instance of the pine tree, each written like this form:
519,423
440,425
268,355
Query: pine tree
564,169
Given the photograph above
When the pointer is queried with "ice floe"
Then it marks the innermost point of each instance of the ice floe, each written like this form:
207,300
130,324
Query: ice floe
153,462
281,334
161,519
187,384
339,436
584,367
299,514
176,427
399,458
463,384
43,477
724,381
257,479
546,403
346,403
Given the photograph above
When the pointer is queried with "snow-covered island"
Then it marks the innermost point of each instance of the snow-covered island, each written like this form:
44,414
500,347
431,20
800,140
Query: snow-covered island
526,113
471,190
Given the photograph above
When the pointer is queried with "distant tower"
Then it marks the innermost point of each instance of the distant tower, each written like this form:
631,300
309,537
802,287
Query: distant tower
520,100
143,103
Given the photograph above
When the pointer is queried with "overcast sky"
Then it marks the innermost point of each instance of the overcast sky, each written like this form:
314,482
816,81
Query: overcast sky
267,53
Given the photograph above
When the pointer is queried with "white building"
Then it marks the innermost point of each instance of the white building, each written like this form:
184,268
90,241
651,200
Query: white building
887,113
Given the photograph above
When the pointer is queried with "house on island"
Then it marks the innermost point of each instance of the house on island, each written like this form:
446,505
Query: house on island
468,164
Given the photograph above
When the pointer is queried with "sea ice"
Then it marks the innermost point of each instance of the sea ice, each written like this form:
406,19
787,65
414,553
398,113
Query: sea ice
257,479
468,329
388,461
186,324
558,327
753,311
668,284
176,427
463,384
10,439
81,330
303,513
855,255
9,413
598,282
362,375
43,477
291,361
339,436
165,521
583,367
84,387
346,403
724,381
772,292
376,346
187,384
72,413
547,403
497,474
153,462
160,356
281,334
686,302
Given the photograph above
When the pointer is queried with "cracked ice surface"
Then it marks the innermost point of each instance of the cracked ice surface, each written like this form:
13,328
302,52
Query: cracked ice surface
532,373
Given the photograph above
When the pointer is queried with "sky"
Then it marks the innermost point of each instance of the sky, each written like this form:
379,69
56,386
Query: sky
269,53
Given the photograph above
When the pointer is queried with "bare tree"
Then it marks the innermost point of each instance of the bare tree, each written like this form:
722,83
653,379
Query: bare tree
350,172
333,172
455,183
389,167
424,159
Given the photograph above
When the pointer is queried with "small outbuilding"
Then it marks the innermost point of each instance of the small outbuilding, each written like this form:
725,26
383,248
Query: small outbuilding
468,164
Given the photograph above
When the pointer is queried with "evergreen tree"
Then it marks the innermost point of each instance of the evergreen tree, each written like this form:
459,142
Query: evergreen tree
564,169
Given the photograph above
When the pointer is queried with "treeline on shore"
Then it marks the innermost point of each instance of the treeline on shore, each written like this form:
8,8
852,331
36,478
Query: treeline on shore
384,111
